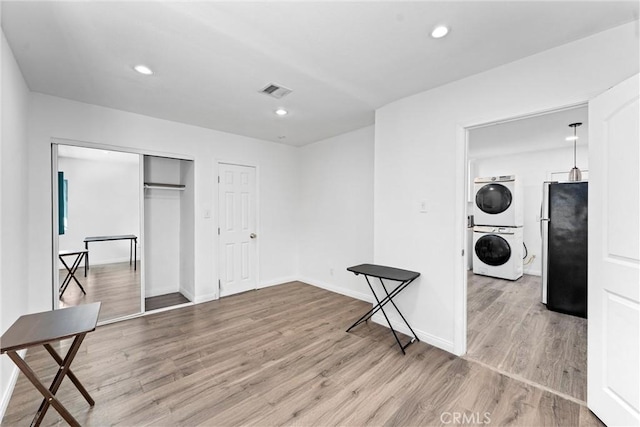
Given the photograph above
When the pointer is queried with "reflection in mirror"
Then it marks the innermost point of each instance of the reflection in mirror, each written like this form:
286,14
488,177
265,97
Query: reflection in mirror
98,238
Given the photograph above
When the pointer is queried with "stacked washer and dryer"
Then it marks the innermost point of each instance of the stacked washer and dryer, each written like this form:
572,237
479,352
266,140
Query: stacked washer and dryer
497,233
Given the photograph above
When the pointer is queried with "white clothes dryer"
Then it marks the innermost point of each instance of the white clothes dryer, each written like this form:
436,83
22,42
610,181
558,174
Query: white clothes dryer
497,252
498,201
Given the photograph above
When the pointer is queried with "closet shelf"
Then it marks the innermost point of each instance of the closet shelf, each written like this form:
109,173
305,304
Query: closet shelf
156,185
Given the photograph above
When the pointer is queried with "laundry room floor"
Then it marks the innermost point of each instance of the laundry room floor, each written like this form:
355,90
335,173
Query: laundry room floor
510,330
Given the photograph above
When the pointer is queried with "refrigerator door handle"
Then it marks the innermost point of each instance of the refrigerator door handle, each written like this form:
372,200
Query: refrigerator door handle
544,230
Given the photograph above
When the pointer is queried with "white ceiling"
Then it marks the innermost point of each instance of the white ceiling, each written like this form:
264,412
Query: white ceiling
537,133
342,59
94,154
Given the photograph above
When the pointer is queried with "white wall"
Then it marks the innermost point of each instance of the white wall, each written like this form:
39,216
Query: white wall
336,211
103,200
419,155
532,169
14,267
60,118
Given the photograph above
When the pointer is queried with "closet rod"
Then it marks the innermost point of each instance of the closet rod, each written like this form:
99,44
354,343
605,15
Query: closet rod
163,186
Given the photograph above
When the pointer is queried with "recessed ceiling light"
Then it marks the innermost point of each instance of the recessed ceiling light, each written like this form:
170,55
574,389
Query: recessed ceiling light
281,112
439,31
143,69
571,138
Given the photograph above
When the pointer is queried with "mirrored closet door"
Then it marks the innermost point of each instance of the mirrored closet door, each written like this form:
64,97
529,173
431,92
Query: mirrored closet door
97,230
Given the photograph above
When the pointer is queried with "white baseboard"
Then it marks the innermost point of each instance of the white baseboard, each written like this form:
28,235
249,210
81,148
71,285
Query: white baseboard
189,295
6,395
533,272
423,336
99,262
339,290
277,282
106,261
205,298
214,296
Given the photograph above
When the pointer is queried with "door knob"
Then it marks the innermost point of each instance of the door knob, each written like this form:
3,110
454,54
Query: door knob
253,235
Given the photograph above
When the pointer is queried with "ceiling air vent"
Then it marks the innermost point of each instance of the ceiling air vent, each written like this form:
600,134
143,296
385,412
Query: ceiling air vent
276,91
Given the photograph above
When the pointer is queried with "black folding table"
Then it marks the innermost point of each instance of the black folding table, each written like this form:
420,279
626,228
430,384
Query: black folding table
405,277
133,247
71,271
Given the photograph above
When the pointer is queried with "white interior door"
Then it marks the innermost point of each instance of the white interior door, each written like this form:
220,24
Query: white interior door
613,390
238,234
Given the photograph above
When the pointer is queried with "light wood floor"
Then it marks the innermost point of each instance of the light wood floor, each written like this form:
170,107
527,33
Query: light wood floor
116,285
511,330
280,356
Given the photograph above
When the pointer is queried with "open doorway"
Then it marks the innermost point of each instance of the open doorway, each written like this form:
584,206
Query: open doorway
508,326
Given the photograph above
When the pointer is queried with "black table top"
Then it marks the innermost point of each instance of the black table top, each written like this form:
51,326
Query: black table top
49,326
105,238
73,252
384,272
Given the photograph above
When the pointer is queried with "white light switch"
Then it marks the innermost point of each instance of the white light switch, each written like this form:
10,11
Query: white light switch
423,207
207,213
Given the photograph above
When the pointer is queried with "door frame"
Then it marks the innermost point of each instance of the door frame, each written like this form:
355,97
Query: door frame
216,212
462,188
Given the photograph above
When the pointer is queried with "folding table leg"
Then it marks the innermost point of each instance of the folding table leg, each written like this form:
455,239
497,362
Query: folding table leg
70,374
379,307
71,271
400,313
86,258
49,397
385,315
369,313
57,380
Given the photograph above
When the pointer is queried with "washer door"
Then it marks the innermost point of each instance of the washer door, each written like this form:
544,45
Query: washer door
493,250
493,198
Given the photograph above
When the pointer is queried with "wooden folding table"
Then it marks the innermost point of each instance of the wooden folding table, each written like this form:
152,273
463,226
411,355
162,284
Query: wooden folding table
44,329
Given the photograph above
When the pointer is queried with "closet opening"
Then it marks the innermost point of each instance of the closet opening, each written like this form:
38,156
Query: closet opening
168,232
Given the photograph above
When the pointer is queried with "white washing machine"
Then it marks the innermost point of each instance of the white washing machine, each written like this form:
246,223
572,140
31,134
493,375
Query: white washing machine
498,201
497,252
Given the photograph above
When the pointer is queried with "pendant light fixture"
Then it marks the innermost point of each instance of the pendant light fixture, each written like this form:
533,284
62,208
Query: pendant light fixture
574,173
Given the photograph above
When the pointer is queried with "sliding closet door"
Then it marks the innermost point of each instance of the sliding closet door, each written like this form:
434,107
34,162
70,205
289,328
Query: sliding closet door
97,229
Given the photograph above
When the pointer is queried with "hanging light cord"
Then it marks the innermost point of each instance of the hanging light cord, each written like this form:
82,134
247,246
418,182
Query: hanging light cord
574,147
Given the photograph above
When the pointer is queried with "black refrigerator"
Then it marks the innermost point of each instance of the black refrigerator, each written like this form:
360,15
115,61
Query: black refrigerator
563,224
